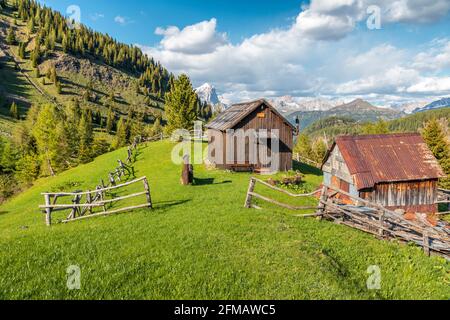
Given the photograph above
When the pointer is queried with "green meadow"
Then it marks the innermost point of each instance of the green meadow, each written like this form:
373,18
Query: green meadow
199,242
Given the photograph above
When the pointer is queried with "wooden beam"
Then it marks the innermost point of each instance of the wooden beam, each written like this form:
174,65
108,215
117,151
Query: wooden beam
61,194
251,188
109,212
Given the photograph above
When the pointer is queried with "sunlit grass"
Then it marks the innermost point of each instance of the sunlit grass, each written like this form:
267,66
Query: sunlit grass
199,242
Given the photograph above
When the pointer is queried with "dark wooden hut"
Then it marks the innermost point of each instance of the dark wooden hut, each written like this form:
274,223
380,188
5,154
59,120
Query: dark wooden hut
397,171
256,126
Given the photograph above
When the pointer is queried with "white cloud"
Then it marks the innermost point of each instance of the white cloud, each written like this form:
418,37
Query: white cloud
195,39
301,59
323,26
123,21
431,85
415,11
393,80
436,58
96,16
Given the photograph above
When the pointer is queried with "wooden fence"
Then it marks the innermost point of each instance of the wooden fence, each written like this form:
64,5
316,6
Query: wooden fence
368,217
252,194
444,198
84,203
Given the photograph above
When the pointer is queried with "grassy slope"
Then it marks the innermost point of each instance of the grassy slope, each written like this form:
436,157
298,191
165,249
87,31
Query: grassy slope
200,243
74,85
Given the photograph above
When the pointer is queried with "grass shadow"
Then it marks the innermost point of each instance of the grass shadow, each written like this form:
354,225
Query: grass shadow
169,204
307,169
207,181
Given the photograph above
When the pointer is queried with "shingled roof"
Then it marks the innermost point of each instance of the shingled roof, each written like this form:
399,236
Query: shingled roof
237,112
373,159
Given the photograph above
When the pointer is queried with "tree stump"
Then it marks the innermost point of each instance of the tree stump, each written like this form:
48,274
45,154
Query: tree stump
187,174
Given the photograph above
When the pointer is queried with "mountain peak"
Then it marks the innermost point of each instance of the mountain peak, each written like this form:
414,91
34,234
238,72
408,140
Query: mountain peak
207,93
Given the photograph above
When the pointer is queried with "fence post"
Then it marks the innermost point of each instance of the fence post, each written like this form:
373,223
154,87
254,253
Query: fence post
381,220
48,211
322,206
129,155
426,243
448,204
111,179
251,188
89,200
149,197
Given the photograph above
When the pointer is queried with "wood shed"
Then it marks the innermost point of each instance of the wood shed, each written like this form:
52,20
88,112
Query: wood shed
397,171
251,136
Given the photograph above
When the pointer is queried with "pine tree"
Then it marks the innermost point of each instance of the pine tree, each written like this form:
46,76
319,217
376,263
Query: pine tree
36,56
320,149
11,37
8,159
58,87
21,50
46,135
110,119
31,26
380,127
121,134
181,105
86,137
28,167
53,75
434,136
13,111
156,128
303,147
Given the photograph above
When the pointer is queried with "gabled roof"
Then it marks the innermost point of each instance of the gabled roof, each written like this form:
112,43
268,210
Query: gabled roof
373,159
229,118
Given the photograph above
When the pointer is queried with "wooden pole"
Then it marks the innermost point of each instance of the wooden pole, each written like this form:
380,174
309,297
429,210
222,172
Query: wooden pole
147,190
187,174
89,201
251,188
381,221
111,179
48,211
426,243
323,200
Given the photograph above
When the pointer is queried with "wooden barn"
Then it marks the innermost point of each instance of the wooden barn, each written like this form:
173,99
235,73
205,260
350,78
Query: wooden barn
251,136
397,171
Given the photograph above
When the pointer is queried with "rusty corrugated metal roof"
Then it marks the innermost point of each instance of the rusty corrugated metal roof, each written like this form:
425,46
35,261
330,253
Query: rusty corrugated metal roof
373,159
234,114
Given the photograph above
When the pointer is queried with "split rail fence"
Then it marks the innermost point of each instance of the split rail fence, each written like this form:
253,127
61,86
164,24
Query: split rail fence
368,217
444,198
84,203
252,194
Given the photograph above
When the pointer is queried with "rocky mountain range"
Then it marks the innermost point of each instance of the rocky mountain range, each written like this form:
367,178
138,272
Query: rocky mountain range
442,103
359,110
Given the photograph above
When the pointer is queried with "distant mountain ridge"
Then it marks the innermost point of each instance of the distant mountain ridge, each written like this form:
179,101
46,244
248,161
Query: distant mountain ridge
442,103
358,110
289,104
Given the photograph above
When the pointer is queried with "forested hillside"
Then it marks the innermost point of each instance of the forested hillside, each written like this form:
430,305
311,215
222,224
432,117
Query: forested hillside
333,126
69,94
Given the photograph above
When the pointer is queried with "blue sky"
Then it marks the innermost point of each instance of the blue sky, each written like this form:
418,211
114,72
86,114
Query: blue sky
239,19
252,48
